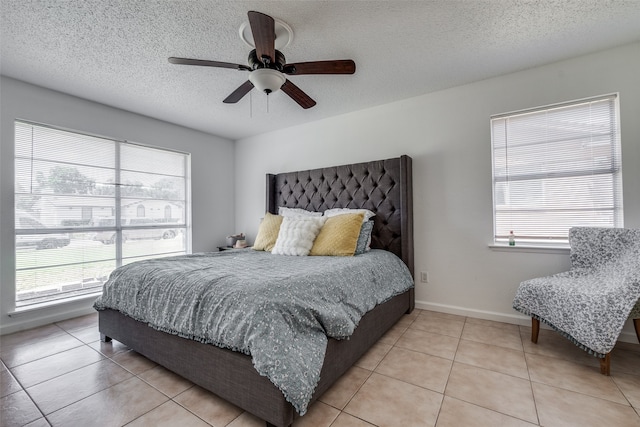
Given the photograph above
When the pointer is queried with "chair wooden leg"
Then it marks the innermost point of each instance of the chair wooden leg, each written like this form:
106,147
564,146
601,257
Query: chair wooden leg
535,330
636,324
605,365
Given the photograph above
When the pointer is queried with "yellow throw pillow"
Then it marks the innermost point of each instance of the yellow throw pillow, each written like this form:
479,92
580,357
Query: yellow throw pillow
339,236
267,232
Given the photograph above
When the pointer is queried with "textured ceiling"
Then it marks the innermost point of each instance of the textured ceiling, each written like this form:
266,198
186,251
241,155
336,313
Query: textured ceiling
115,52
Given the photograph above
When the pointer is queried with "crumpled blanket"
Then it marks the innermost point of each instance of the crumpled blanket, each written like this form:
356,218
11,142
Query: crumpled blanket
590,303
277,309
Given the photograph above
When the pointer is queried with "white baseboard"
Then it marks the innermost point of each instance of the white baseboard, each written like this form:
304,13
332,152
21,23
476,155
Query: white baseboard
516,319
45,318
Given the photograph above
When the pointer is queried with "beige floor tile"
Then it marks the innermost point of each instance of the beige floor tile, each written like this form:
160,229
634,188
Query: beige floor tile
406,320
66,389
573,376
492,390
81,322
318,415
32,373
557,407
8,384
508,338
34,350
373,356
133,362
385,401
165,381
40,422
429,343
17,409
625,361
246,420
439,325
416,368
29,336
169,414
429,313
393,334
415,313
630,387
493,324
114,406
346,420
499,359
345,387
86,335
456,413
552,344
208,406
110,348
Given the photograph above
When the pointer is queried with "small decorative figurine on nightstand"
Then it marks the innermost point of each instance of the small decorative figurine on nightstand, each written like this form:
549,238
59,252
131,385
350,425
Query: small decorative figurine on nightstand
237,241
232,240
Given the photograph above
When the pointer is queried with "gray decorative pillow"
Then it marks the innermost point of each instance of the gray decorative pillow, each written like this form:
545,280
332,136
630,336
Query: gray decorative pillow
364,239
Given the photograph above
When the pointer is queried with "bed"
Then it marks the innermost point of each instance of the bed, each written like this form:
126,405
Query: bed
382,186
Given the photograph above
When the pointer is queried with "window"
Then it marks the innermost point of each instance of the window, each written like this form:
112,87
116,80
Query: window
556,167
78,206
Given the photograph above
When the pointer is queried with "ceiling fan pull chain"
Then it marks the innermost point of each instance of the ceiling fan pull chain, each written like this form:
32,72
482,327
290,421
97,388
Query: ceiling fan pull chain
250,105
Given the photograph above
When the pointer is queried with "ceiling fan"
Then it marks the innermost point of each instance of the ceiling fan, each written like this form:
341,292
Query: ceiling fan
267,65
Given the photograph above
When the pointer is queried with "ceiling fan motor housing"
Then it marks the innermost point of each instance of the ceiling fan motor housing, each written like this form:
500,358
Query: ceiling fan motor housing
255,62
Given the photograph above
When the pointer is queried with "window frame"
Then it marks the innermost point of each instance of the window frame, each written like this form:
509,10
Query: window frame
554,244
118,198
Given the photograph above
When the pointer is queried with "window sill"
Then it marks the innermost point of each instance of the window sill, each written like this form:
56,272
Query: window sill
538,249
22,311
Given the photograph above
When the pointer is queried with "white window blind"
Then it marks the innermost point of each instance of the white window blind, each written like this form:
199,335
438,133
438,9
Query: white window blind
85,205
556,167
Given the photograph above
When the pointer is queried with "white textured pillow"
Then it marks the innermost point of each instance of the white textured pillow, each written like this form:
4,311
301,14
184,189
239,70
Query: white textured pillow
296,235
296,212
341,211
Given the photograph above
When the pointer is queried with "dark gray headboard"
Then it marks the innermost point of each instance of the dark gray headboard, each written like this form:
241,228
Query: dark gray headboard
382,186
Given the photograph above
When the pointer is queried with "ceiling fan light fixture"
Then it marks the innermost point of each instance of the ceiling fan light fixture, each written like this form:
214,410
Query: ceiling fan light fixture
267,80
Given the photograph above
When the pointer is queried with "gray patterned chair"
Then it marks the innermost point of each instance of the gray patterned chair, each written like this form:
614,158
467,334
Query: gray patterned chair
590,303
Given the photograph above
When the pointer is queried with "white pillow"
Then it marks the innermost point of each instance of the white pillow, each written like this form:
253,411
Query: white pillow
296,235
340,211
296,212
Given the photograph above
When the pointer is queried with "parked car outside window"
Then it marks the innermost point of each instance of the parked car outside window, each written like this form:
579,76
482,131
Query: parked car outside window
33,239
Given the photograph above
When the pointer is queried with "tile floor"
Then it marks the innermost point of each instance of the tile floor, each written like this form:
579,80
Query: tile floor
430,369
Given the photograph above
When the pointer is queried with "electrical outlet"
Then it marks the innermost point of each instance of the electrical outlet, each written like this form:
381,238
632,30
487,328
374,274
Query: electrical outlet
424,277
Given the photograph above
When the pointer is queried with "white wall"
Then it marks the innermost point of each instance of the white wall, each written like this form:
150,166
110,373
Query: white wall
211,166
448,136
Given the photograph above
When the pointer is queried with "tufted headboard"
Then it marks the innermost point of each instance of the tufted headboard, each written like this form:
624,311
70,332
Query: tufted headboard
382,186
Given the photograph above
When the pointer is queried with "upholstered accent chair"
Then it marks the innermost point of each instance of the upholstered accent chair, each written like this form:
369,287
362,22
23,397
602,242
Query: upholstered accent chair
590,303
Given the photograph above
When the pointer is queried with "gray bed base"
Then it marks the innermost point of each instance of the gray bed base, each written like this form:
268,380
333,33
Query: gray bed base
383,186
231,375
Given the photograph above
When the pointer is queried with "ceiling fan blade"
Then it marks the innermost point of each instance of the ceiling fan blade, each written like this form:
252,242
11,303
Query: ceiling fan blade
237,94
264,35
205,63
340,66
298,95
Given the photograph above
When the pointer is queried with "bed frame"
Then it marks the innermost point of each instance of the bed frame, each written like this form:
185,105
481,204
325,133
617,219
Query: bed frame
382,186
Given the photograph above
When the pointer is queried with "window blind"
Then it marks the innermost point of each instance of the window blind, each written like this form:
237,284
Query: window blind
85,205
557,167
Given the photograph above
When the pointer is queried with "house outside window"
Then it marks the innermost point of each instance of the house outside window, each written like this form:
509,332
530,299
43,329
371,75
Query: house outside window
77,206
556,167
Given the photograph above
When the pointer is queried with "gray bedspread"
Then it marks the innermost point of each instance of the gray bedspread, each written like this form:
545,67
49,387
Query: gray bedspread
278,309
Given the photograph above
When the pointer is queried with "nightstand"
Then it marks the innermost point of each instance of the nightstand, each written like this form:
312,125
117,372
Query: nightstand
231,248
